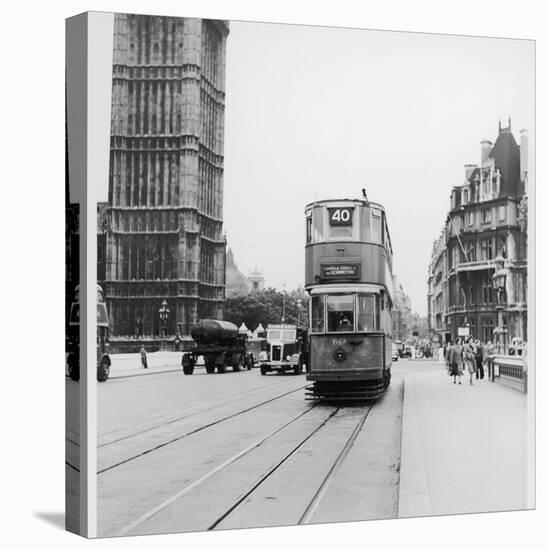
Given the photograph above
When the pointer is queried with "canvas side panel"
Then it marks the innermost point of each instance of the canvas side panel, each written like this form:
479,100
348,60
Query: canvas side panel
75,182
532,358
99,86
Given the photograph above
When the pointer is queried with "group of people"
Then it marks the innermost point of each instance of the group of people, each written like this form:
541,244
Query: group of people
470,355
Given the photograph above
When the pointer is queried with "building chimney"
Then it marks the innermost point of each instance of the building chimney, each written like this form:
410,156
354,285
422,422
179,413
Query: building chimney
469,168
485,148
523,154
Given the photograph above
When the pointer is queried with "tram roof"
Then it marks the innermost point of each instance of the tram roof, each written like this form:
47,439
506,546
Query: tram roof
353,201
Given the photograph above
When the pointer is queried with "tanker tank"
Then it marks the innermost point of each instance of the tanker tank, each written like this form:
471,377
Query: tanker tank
210,331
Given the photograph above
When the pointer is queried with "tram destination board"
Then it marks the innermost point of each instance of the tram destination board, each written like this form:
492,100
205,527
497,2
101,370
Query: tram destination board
346,270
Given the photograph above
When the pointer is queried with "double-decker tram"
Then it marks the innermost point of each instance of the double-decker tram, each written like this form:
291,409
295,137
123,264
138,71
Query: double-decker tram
348,274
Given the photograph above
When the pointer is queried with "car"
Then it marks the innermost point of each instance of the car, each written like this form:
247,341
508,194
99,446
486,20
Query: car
409,352
394,353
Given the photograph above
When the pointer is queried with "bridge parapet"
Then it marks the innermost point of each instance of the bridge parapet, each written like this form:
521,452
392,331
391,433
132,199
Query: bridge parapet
510,370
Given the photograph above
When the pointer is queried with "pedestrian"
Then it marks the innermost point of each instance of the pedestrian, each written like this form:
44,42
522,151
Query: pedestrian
469,358
446,351
479,358
456,360
143,357
486,360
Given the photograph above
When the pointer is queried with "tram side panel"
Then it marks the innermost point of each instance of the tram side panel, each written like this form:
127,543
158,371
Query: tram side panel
347,357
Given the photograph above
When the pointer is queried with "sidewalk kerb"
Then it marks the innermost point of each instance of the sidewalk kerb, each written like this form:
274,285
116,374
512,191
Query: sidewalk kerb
414,498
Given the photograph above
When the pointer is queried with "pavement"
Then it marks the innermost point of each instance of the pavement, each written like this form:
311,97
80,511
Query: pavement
464,448
129,364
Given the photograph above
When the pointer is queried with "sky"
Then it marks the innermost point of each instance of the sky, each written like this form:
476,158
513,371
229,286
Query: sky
317,112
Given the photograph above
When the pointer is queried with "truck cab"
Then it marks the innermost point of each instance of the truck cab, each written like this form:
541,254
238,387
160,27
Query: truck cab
284,350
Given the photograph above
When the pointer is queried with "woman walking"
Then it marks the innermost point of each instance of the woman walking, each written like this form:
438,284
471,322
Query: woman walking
469,358
456,360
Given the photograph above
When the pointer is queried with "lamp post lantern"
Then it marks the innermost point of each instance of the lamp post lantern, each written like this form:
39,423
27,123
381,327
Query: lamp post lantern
499,279
164,313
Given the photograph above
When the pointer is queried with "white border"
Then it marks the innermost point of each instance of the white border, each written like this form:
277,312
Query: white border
33,226
100,48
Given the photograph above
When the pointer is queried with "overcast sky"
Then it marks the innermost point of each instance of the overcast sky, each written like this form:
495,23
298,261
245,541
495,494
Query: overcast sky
315,113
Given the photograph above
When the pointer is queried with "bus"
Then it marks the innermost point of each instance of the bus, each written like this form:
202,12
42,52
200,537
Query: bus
348,275
102,336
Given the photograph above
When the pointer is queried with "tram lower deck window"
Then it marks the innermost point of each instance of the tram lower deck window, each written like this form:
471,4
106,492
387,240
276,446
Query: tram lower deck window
368,312
317,313
340,312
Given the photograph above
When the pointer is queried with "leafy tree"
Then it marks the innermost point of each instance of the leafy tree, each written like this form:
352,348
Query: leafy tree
267,306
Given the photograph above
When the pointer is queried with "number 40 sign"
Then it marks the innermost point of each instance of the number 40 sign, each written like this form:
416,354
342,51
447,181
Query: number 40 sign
341,216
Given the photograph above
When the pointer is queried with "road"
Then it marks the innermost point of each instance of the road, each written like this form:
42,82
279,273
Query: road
192,453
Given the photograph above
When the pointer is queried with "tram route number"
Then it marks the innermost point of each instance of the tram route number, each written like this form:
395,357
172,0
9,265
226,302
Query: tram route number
341,216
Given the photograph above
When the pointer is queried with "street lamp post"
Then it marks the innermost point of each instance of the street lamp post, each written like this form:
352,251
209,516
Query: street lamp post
284,304
164,313
499,279
299,305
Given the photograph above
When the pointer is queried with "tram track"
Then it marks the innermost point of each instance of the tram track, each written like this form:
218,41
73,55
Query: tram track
314,502
191,432
326,482
188,413
143,518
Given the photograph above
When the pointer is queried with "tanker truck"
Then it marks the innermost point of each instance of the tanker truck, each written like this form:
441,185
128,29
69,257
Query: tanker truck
221,346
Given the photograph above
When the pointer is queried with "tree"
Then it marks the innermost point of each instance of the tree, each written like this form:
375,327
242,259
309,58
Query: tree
267,307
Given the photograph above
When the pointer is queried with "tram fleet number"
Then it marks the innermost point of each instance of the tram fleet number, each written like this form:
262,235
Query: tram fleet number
341,216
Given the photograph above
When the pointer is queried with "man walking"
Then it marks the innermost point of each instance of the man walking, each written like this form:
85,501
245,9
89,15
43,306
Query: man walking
479,357
143,357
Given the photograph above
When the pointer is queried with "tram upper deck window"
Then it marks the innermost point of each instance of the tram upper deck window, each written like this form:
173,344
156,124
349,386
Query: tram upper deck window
376,226
340,222
370,225
317,313
318,225
368,307
340,312
309,225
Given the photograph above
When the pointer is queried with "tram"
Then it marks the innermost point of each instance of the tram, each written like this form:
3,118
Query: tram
348,275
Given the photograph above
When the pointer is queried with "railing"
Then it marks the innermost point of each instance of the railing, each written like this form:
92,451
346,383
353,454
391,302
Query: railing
510,371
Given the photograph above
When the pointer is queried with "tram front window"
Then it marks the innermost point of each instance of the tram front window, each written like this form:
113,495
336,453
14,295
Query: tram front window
340,312
368,312
341,232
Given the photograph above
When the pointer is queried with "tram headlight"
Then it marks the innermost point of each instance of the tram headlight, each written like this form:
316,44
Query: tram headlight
340,355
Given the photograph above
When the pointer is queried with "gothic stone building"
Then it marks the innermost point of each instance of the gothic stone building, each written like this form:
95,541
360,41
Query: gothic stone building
484,222
164,238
